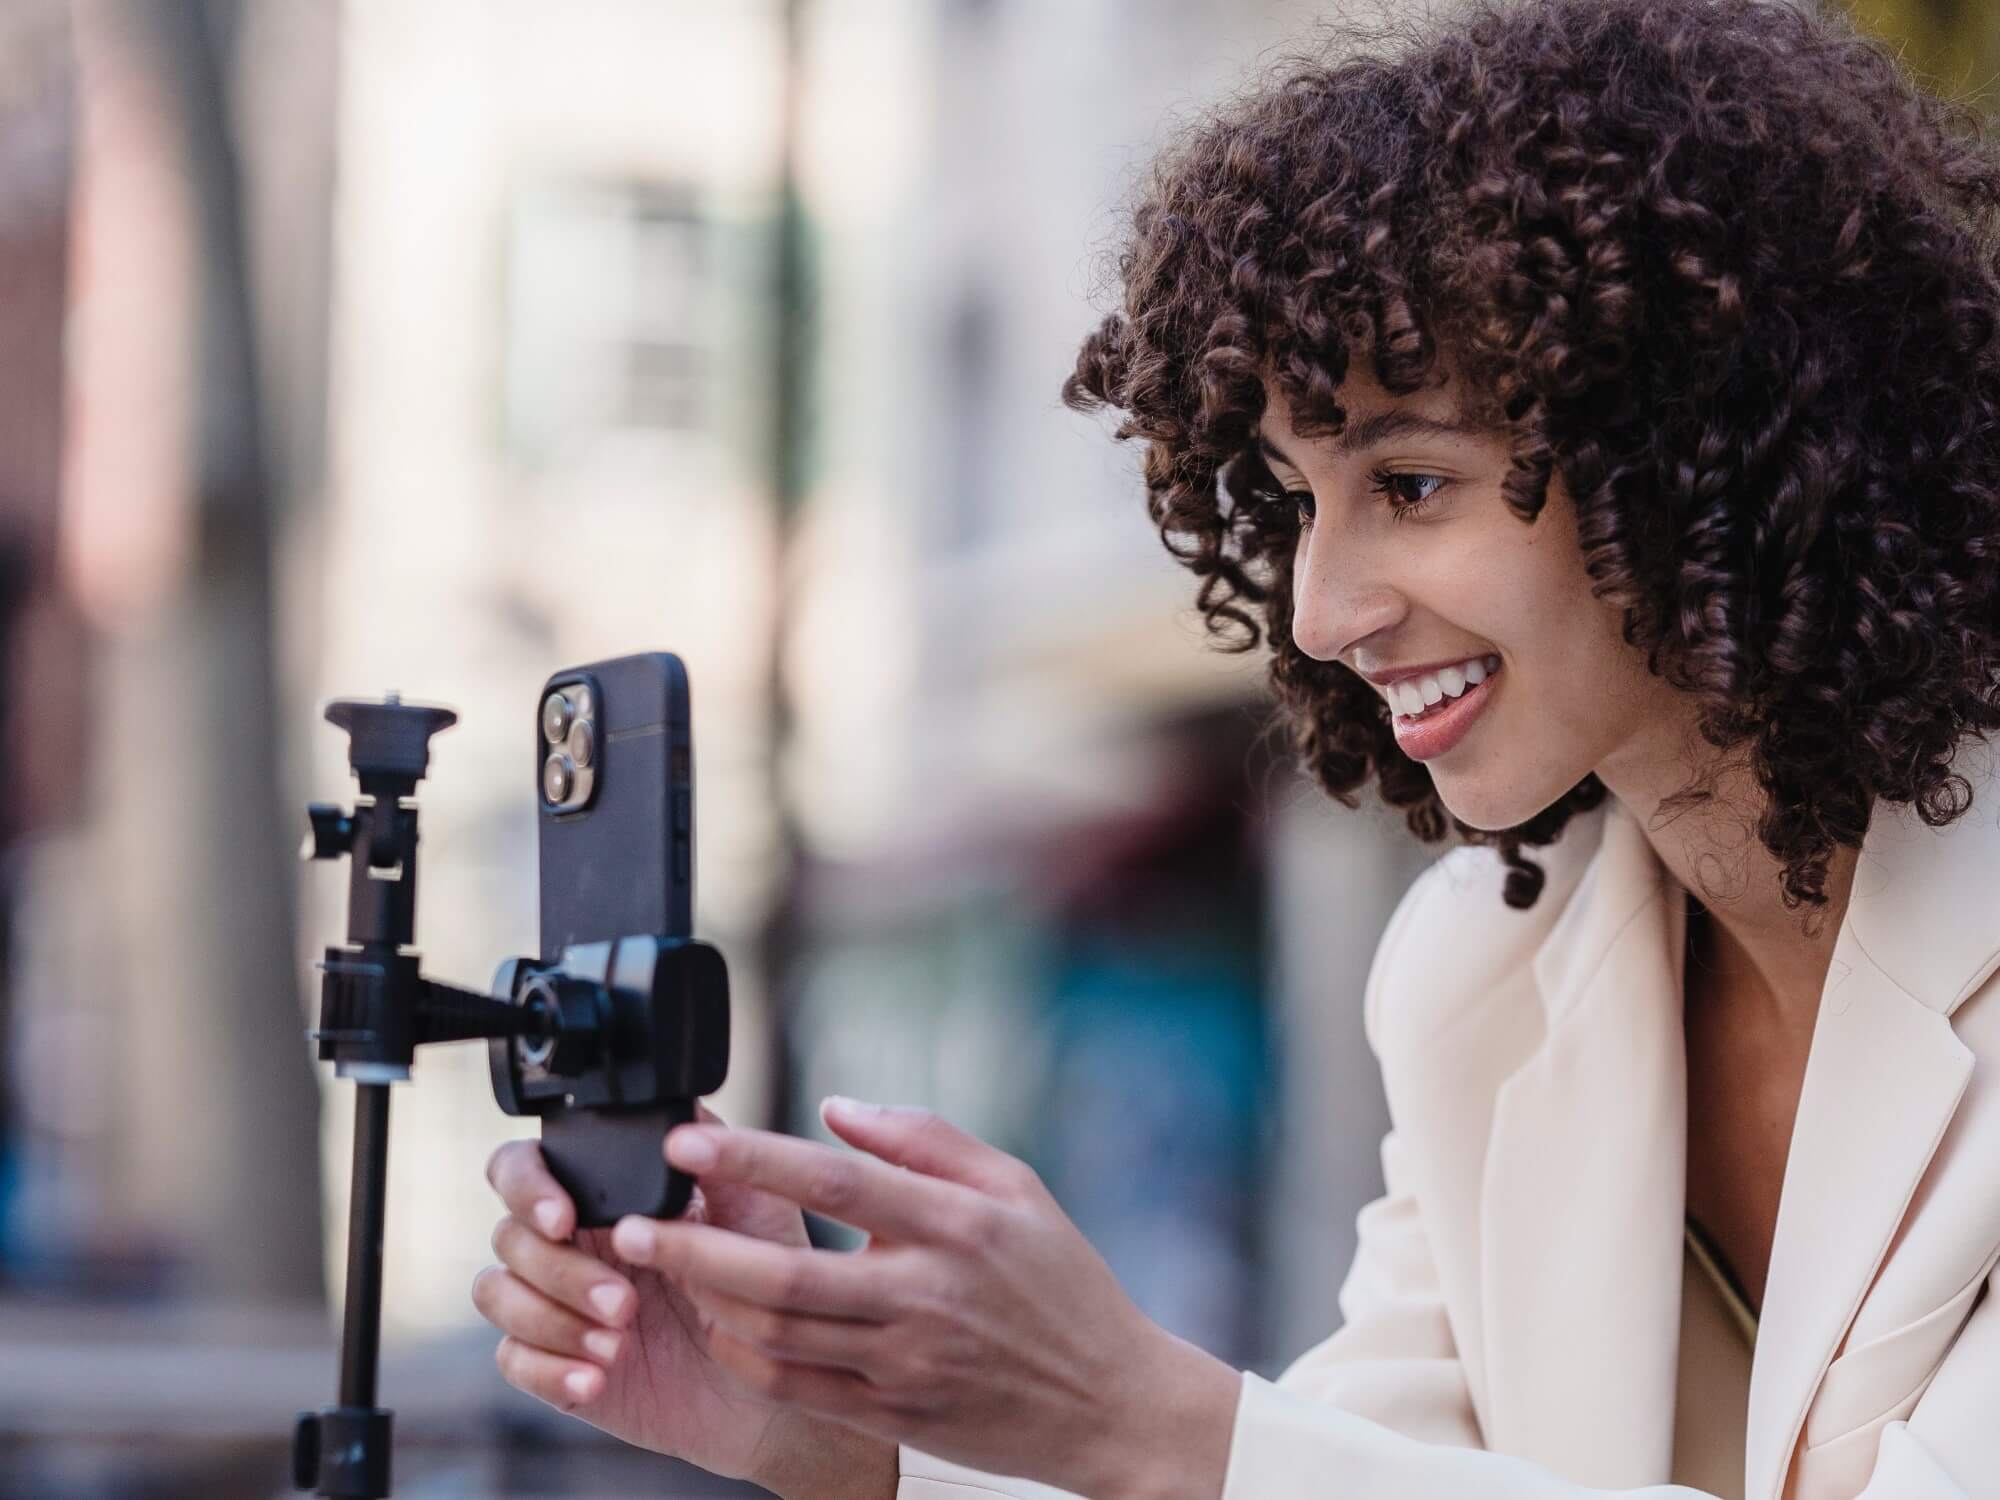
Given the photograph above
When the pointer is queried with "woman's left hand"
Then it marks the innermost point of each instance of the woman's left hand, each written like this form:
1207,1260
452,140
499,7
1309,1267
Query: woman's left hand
977,1324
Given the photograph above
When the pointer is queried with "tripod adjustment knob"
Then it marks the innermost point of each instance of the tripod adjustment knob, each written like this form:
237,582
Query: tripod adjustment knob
332,832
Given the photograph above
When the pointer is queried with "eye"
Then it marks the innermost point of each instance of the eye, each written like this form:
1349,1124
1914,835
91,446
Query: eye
1402,503
1403,491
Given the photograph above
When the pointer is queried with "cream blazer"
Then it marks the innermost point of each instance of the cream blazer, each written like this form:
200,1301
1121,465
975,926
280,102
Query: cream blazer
1512,1313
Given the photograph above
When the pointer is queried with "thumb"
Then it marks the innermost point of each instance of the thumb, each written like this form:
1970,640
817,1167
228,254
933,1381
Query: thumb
927,1142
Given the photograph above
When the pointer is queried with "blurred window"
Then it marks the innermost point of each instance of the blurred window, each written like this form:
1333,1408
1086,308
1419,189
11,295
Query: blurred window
603,326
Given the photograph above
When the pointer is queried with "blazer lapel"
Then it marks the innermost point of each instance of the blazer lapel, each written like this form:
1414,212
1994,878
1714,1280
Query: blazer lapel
1581,1201
1884,1076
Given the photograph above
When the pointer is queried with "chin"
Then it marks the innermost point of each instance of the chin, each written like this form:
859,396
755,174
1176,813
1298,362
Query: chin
1493,809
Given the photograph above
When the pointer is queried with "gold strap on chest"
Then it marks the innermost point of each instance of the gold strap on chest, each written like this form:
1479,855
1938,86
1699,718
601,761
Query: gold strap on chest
1725,1283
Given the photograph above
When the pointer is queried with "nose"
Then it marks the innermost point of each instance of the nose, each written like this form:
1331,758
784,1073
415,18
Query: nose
1334,603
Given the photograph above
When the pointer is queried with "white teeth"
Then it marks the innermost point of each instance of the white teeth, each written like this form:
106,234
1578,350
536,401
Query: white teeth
1414,695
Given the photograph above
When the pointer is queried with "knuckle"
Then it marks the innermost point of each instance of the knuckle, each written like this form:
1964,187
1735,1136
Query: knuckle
969,1223
1023,1181
955,1356
1008,1224
909,1367
485,1288
795,1283
836,1184
905,1406
911,1388
932,1295
771,1328
506,1235
787,1285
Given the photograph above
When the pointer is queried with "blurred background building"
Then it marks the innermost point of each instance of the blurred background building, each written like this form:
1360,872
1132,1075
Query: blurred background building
356,345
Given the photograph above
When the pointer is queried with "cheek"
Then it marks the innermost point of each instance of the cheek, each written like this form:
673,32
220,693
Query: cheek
1532,582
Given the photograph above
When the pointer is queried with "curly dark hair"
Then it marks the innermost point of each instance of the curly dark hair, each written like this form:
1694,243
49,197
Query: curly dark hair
1721,264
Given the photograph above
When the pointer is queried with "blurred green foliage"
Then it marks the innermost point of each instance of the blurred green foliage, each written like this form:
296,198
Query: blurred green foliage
1952,45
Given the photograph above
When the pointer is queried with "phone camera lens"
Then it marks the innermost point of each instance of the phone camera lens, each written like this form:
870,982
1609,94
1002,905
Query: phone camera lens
557,777
582,743
556,716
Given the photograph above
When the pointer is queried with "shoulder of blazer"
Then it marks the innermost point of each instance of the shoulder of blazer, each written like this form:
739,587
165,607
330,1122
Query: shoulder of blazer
1428,982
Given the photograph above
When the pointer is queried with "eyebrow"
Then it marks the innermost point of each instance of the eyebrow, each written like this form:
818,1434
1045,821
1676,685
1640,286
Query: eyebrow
1377,428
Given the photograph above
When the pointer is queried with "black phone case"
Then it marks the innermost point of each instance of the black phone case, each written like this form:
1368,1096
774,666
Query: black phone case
623,864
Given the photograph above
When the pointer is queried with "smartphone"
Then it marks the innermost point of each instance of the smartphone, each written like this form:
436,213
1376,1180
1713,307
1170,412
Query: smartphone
614,780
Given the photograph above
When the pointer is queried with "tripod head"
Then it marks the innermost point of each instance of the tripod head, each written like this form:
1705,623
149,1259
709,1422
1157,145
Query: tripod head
372,1005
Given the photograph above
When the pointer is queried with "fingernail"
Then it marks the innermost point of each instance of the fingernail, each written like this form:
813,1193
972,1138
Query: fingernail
548,1214
633,1238
608,1297
602,1343
854,1109
692,1149
580,1383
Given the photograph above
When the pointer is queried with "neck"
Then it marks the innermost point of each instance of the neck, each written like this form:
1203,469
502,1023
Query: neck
1770,961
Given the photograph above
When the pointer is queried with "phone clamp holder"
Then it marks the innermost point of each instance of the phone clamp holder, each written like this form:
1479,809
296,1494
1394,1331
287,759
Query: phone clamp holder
609,1026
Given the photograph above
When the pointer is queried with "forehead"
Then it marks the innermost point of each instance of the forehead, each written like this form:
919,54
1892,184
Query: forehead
1361,395
1373,416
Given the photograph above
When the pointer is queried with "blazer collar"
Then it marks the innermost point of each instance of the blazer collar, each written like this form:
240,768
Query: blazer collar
1583,1192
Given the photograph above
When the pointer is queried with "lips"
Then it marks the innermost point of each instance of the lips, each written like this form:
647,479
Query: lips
1440,727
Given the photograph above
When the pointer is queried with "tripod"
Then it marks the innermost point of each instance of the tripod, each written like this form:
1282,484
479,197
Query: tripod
608,1032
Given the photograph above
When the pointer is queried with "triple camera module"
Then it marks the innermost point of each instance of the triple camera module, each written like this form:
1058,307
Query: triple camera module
569,746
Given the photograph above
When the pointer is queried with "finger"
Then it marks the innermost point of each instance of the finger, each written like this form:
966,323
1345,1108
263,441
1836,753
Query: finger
517,1309
836,1393
530,1191
829,1283
847,1343
928,1143
580,1282
854,1189
565,1384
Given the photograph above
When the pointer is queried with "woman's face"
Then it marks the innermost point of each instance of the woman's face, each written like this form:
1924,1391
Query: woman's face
1463,578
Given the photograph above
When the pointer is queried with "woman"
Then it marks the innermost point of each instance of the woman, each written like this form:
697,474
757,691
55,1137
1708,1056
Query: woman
1625,372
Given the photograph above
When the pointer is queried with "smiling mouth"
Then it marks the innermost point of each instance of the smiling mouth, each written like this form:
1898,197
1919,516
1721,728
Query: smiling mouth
1487,666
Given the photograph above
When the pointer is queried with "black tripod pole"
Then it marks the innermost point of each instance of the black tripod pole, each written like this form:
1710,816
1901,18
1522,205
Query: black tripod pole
361,1333
344,1450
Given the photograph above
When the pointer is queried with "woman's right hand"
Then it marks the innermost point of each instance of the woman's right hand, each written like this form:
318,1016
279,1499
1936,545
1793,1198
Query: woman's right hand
621,1347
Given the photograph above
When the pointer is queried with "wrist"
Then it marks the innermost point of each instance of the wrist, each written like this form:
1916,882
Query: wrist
804,1457
1171,1442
